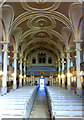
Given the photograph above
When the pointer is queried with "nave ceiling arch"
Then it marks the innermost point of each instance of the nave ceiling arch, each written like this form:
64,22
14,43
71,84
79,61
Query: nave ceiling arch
41,24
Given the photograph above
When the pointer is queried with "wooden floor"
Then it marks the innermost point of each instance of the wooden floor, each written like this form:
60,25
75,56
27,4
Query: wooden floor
40,108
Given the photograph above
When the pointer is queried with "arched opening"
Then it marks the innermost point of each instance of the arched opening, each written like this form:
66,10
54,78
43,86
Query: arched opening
33,60
42,58
50,60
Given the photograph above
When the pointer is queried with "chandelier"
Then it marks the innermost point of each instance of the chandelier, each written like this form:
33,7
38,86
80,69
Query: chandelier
40,1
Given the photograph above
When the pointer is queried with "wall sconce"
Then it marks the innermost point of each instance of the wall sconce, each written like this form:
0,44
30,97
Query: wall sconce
69,74
62,75
59,76
82,73
24,76
20,76
75,56
8,56
1,73
51,76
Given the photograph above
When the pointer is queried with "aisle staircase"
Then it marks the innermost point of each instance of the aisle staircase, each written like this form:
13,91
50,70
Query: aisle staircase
40,108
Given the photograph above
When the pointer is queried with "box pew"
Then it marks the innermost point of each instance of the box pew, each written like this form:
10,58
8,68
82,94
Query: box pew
18,104
64,104
68,115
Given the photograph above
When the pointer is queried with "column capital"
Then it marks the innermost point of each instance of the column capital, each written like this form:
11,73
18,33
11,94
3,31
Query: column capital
78,41
15,51
15,58
62,61
62,57
3,50
78,49
68,51
4,42
68,57
24,60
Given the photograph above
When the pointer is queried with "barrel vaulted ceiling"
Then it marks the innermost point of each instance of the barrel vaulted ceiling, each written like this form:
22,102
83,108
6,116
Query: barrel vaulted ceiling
40,25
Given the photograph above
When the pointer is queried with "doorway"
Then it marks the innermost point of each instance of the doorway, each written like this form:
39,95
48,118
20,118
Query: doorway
41,82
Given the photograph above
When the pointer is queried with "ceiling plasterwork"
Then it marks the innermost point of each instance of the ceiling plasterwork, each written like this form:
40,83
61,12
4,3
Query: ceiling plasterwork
27,33
41,21
51,14
38,5
41,34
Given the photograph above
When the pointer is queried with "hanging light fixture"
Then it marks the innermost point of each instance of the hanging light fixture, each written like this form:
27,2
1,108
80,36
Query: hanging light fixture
40,1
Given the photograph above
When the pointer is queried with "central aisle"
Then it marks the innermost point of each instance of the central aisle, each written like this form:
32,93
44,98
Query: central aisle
40,108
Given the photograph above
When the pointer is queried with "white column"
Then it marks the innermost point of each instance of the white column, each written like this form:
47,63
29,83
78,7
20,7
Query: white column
27,72
59,74
78,49
68,71
52,80
0,57
63,76
20,76
5,59
27,80
0,67
24,71
15,70
33,79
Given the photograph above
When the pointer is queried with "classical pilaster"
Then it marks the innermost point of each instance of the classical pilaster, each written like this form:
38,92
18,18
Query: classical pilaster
50,79
5,59
1,57
1,73
33,80
24,72
27,78
78,49
68,71
20,76
59,77
63,76
15,70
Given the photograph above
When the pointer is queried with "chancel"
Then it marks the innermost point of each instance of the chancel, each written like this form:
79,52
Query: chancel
42,59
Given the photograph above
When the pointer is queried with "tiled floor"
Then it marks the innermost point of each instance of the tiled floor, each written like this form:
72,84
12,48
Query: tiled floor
40,108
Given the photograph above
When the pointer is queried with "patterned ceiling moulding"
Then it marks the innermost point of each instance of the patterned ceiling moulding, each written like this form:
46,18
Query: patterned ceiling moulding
52,14
76,16
45,40
35,41
42,43
40,5
41,34
42,21
51,33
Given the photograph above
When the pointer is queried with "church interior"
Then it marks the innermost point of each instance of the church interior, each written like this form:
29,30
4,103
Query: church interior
42,59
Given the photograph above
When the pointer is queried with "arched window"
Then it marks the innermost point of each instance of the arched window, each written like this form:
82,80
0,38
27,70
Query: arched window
41,57
33,60
50,60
